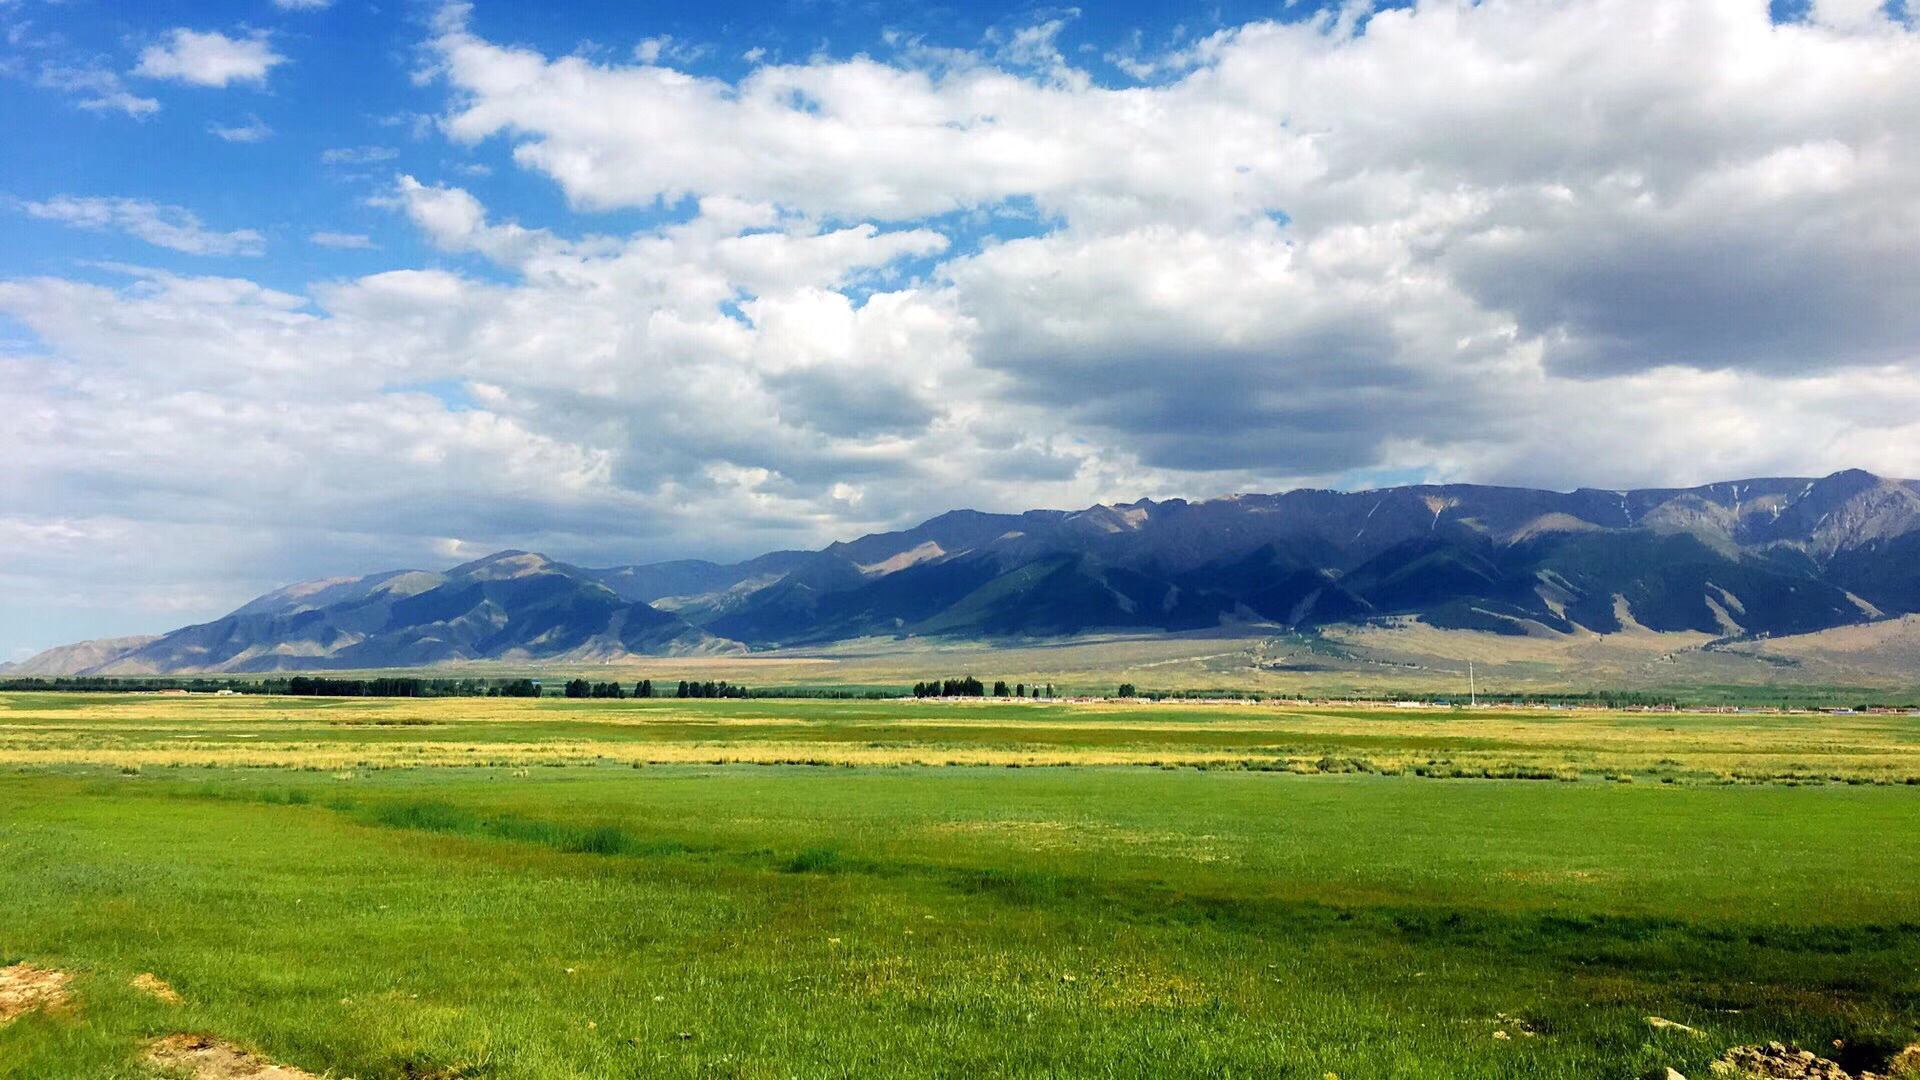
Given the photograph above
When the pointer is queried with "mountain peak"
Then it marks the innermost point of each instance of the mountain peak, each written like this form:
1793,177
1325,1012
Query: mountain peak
1851,479
502,565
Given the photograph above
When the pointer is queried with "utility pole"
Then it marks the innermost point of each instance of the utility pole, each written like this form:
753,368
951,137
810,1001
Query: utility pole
1473,696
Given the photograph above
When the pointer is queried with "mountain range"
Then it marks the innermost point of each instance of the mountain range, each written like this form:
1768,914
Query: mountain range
1738,559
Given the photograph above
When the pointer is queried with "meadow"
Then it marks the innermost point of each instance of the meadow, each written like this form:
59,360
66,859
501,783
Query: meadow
549,888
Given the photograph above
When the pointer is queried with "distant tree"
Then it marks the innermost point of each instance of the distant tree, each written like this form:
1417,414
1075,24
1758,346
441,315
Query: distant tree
520,688
1020,690
577,688
643,688
682,691
1127,690
1000,688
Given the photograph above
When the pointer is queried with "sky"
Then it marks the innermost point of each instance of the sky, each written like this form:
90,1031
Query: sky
302,288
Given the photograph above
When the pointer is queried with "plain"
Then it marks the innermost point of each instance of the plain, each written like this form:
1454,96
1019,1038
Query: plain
554,906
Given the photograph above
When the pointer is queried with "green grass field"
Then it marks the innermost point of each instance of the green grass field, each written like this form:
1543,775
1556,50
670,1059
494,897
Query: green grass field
550,905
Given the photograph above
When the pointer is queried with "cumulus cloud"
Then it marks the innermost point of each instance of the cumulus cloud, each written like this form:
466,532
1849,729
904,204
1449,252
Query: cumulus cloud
209,58
860,138
1726,174
160,225
455,221
1601,242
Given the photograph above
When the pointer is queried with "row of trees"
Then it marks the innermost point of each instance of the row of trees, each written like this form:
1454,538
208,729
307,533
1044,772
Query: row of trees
323,686
967,686
381,686
711,689
389,686
972,687
581,688
295,686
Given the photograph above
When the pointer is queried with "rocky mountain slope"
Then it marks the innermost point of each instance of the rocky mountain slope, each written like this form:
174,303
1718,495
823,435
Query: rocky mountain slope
1740,559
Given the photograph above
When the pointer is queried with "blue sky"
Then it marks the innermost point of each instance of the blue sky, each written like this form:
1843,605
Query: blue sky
295,289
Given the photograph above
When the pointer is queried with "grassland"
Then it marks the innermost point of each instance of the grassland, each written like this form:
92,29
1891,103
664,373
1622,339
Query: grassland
154,731
487,887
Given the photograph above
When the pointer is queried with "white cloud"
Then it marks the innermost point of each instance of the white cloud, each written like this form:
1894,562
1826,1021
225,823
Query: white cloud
358,155
343,240
160,225
653,50
1788,150
302,5
123,102
455,221
209,58
864,139
1850,14
97,90
252,130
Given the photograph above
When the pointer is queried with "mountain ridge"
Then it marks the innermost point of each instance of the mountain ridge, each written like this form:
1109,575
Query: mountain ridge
1743,558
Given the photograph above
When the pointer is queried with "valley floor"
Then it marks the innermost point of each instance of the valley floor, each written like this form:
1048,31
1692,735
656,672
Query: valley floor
1381,659
493,888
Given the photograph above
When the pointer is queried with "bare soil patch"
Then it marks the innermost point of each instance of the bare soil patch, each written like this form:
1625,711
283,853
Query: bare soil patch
1775,1061
24,988
206,1058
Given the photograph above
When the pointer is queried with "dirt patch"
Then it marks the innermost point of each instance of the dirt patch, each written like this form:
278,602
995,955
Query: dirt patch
24,988
1779,1062
205,1058
154,986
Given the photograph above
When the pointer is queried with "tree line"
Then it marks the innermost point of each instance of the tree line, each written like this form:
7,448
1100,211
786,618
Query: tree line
968,686
392,686
963,687
711,689
297,685
581,688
